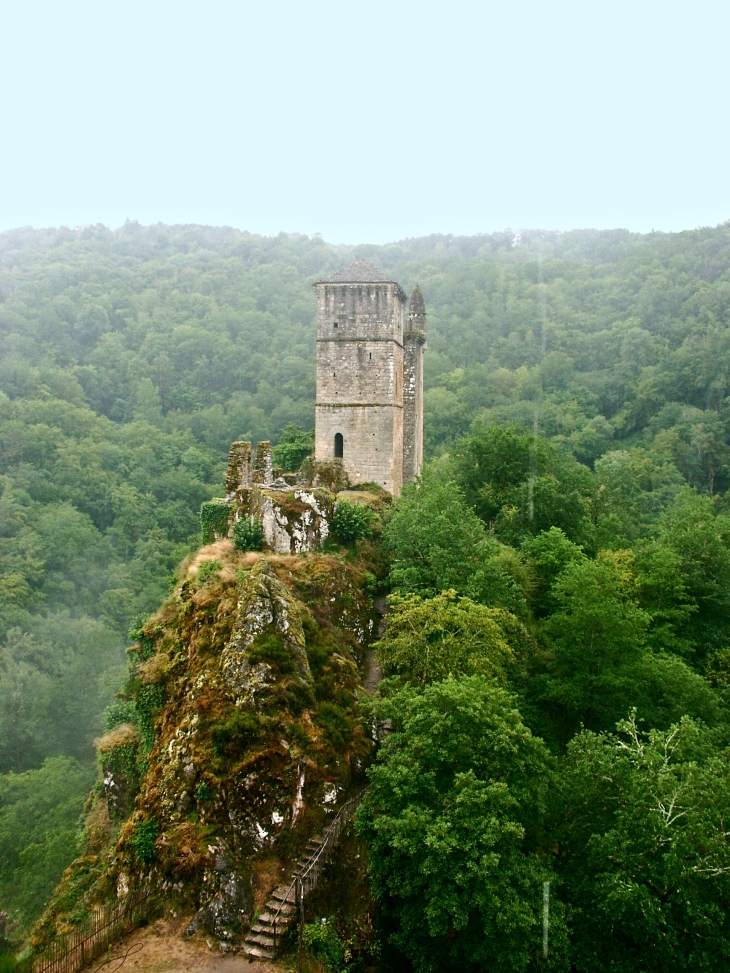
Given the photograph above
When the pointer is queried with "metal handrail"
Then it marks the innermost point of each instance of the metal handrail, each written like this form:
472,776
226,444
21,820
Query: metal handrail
333,831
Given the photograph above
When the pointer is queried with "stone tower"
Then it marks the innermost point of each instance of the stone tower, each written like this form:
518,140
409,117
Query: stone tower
413,347
359,414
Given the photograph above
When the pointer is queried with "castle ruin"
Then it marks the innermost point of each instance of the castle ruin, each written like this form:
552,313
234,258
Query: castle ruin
369,406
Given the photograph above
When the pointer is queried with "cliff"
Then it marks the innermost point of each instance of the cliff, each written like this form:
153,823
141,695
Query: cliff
237,736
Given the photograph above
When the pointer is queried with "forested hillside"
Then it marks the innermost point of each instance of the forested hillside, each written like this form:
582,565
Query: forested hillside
130,360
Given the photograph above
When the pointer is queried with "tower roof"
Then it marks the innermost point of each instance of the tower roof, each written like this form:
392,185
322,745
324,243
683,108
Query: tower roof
417,305
360,272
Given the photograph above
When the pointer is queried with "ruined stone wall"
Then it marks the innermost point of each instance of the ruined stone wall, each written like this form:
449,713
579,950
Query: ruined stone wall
360,380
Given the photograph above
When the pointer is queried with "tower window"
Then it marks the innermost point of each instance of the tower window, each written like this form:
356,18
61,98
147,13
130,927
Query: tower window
371,355
336,325
339,446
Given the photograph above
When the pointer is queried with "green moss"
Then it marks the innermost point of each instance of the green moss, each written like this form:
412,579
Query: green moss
268,647
233,736
336,723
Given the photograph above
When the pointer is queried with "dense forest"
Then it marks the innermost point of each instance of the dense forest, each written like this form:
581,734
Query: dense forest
577,430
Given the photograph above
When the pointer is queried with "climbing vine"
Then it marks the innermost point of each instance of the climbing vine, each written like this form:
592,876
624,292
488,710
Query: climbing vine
213,520
147,703
143,841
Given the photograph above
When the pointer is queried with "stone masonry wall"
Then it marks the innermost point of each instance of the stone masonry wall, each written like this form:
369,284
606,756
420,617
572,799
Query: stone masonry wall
412,407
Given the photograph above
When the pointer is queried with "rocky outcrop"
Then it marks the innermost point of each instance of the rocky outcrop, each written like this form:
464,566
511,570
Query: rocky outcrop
245,689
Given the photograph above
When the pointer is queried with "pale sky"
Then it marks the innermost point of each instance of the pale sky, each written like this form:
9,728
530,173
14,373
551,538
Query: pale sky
366,122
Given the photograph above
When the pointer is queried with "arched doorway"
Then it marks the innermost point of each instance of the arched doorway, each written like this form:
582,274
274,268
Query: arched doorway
339,446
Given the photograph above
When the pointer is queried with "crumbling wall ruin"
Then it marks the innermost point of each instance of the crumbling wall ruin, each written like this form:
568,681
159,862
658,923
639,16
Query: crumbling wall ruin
294,520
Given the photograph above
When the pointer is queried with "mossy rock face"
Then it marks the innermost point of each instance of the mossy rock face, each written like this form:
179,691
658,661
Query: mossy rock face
118,752
253,740
268,635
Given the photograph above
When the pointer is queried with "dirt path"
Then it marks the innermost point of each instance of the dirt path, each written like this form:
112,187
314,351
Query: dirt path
161,948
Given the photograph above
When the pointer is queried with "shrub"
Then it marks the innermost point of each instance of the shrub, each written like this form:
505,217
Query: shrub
207,572
351,521
248,535
323,942
119,712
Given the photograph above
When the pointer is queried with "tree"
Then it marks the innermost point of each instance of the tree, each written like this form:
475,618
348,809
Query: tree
427,640
644,850
293,448
39,814
601,661
351,522
438,543
453,817
548,554
522,485
701,542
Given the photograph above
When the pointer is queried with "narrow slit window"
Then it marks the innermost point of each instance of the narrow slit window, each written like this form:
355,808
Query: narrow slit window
371,356
339,446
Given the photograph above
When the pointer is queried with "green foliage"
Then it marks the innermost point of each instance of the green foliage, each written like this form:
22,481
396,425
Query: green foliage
213,520
143,841
601,662
294,447
548,555
248,535
351,522
640,821
522,485
453,819
119,712
323,942
56,677
427,640
39,815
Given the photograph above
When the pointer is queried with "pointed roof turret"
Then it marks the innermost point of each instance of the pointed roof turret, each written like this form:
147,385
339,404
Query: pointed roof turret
417,305
360,272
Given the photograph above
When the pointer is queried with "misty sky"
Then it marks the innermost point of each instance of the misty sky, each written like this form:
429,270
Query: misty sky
368,121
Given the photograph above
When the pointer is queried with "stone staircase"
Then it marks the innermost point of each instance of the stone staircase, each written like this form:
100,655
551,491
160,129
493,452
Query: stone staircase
264,938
